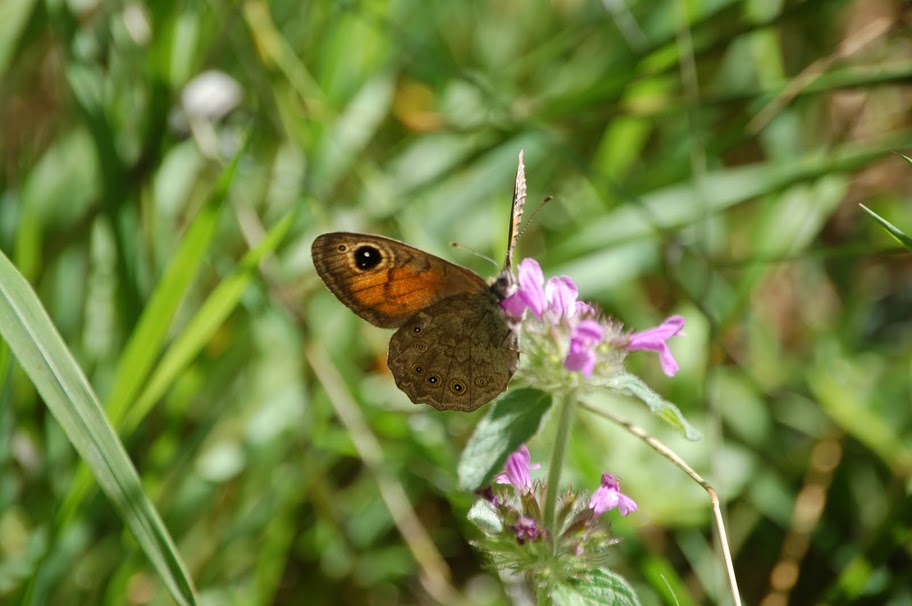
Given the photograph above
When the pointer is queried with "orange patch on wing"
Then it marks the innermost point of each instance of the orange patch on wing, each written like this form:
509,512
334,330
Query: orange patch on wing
397,292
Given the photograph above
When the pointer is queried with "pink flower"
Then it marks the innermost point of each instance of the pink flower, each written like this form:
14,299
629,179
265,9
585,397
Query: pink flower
552,301
609,495
555,303
585,338
530,294
654,340
516,470
576,329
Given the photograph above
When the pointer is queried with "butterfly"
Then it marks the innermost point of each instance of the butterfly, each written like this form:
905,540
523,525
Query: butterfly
455,347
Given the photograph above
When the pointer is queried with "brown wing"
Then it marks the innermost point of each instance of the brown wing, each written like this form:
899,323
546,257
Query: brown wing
456,355
385,281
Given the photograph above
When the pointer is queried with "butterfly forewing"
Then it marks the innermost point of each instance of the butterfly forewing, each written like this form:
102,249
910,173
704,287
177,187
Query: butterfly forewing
385,281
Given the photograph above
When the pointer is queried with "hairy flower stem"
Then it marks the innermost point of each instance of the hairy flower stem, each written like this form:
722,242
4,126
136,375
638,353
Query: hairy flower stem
565,403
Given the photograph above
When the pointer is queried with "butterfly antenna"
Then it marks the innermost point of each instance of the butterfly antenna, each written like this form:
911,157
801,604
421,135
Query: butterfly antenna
532,216
474,252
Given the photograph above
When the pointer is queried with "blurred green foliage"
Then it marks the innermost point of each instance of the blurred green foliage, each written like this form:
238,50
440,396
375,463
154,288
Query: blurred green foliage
706,157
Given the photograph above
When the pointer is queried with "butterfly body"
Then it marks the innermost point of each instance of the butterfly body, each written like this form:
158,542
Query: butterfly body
455,347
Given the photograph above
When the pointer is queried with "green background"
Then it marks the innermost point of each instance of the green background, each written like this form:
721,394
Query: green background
707,158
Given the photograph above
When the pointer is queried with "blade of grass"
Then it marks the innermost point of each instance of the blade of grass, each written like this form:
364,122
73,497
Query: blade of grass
150,333
213,312
891,229
674,206
39,349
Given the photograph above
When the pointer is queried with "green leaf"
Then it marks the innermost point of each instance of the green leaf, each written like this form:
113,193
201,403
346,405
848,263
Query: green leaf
510,421
482,514
633,386
599,587
891,229
39,349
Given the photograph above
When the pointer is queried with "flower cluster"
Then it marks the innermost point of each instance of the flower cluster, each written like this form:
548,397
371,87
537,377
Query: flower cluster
563,328
518,538
607,497
568,347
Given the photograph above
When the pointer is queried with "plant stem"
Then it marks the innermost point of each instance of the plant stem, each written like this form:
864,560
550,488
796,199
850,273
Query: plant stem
566,403
669,454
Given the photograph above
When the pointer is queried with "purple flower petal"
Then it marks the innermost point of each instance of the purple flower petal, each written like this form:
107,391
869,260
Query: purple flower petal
654,340
561,294
626,505
516,470
589,331
585,338
603,499
580,359
661,333
669,364
583,308
514,305
531,281
609,495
